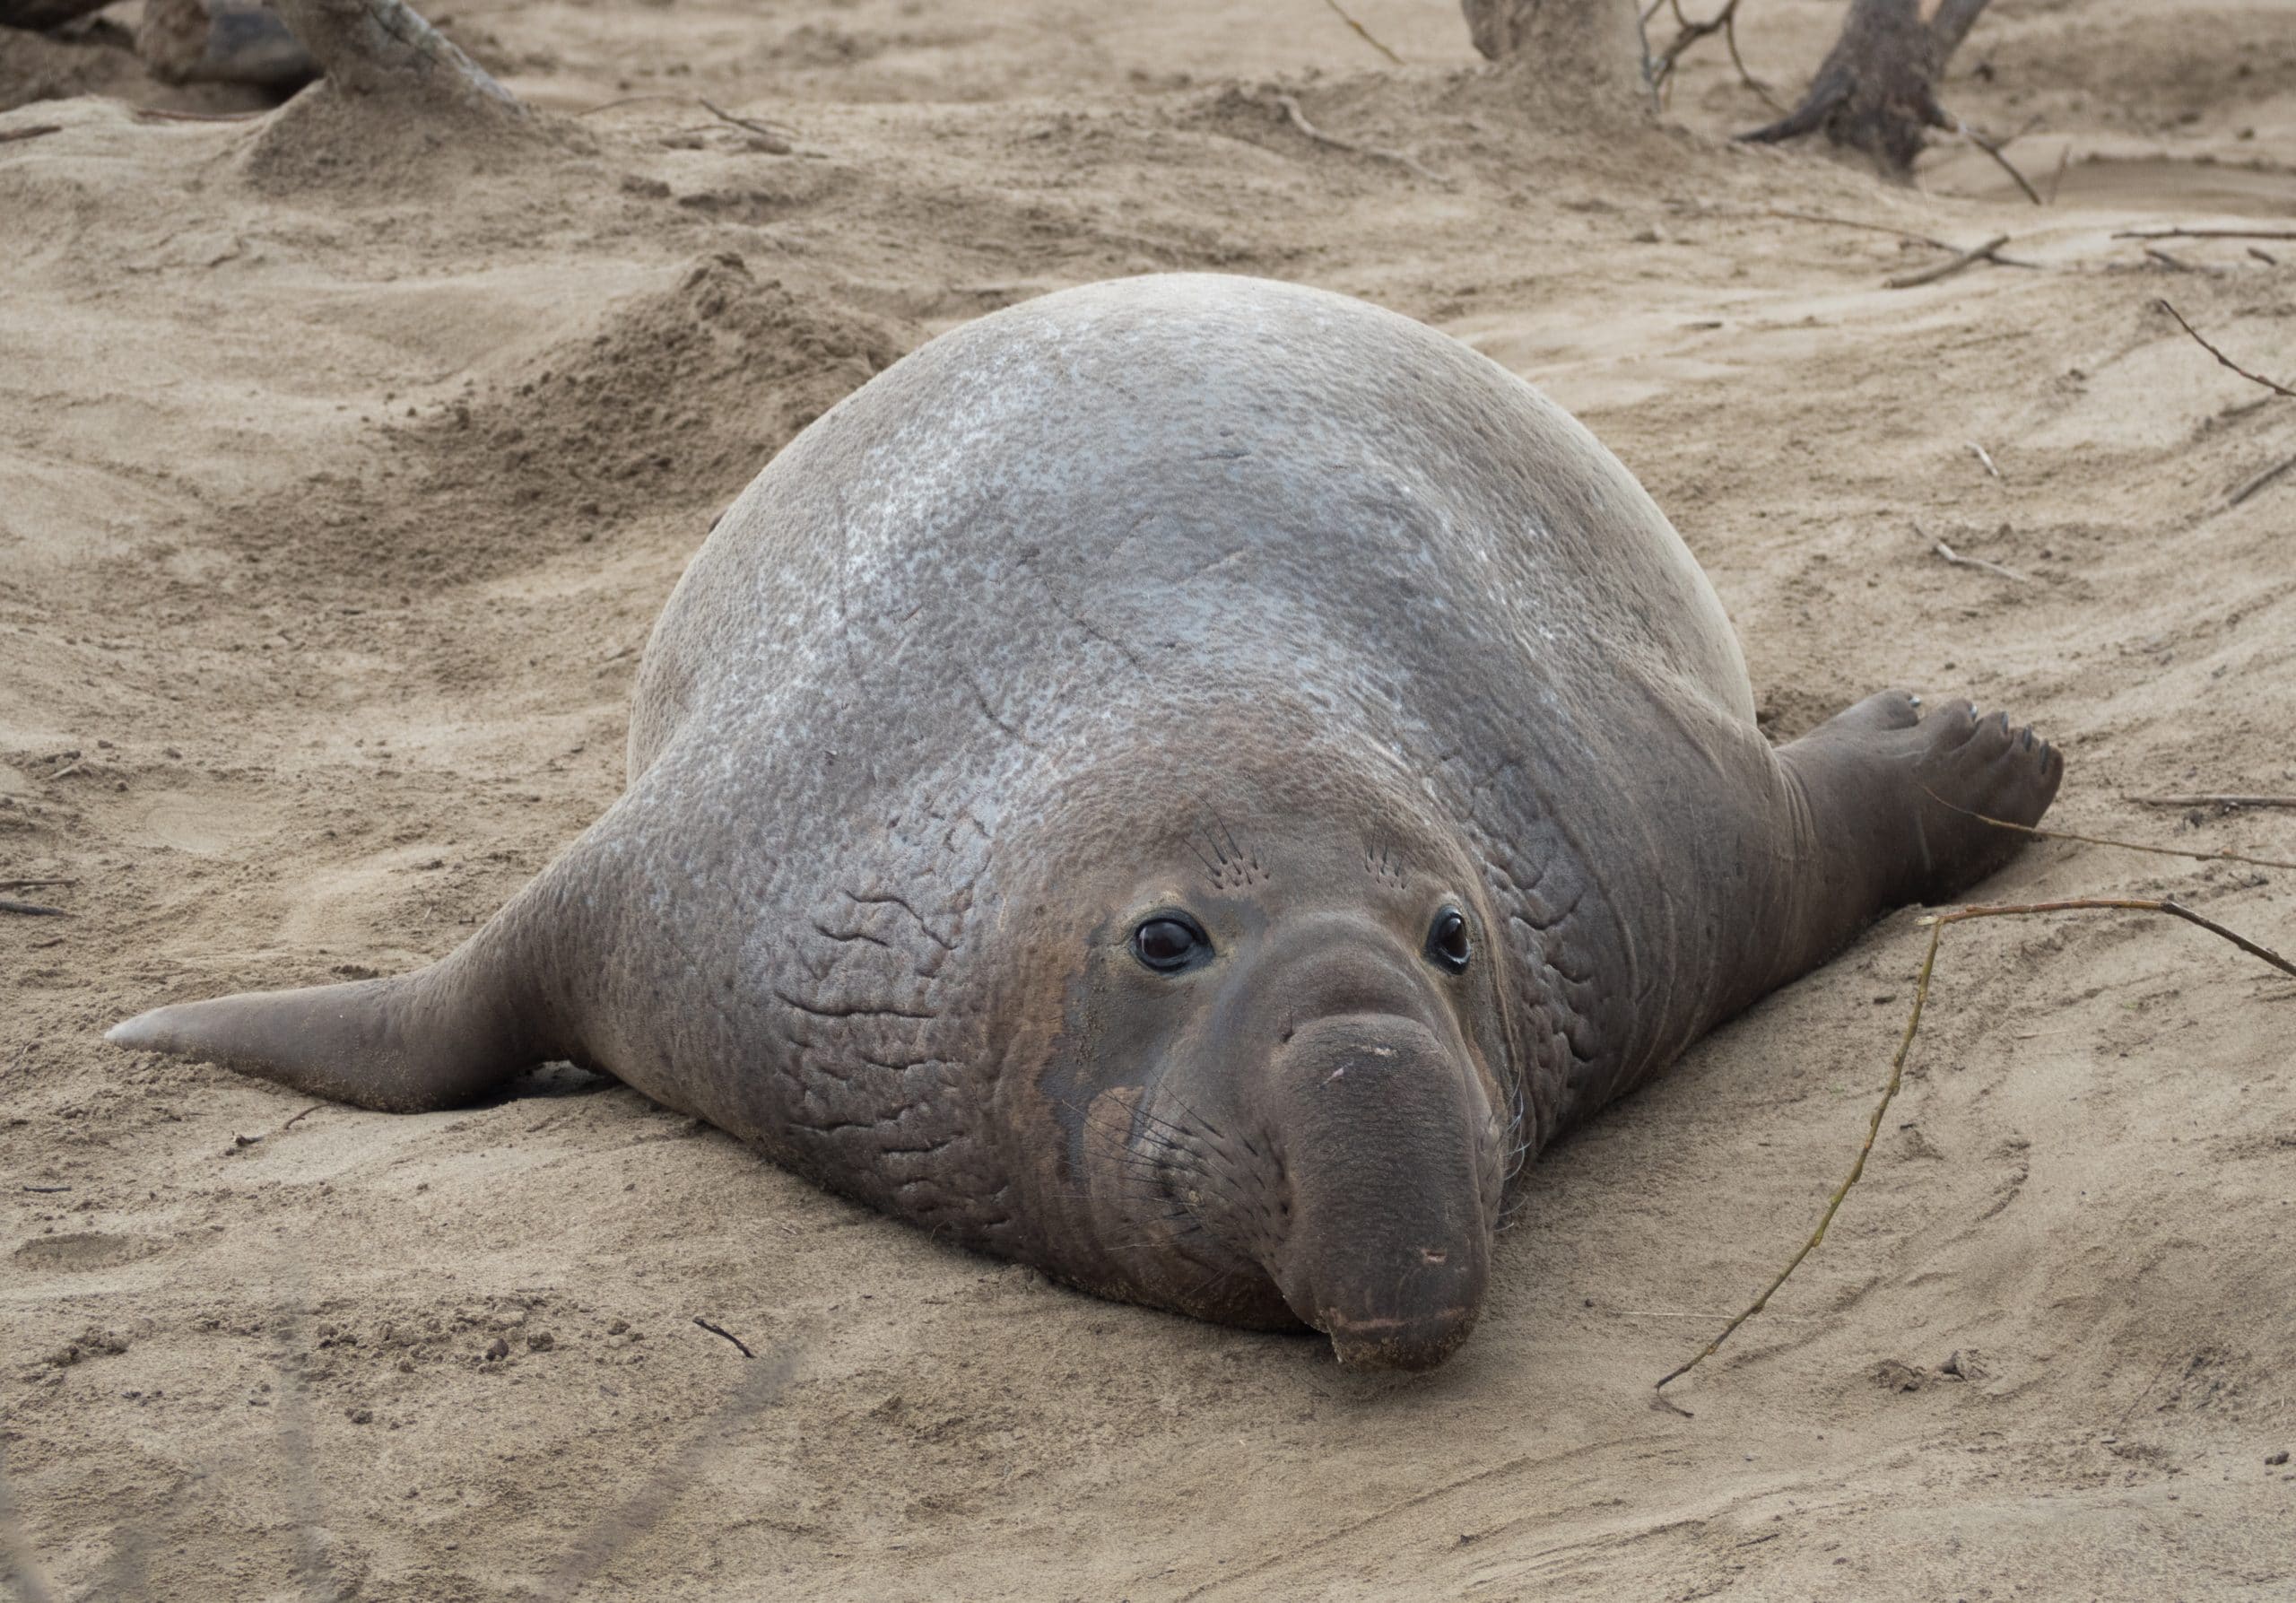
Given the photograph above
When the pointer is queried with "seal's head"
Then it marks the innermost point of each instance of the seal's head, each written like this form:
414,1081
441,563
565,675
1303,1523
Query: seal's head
1280,1090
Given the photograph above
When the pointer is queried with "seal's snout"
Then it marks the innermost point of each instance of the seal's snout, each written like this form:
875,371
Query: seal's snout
1383,1132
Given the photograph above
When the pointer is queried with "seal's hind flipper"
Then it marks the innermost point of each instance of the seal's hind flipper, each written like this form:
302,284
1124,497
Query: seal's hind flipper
427,1039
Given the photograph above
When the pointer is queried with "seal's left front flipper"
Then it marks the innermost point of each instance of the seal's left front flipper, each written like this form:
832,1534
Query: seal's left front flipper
1876,807
1903,799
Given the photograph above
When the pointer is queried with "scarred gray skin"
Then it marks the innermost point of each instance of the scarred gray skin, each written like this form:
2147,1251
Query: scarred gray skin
1197,594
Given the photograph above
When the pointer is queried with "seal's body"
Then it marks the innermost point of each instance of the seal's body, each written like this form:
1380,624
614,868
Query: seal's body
1185,782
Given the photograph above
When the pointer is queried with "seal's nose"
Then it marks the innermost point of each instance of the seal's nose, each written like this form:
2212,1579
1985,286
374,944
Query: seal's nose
1382,1133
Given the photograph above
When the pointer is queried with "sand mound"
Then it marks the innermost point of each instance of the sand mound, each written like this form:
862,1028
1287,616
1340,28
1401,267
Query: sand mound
676,396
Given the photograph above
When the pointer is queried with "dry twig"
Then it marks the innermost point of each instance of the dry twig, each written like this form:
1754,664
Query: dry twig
1876,227
2206,233
2218,856
1959,560
1931,274
2278,389
33,884
721,1330
2216,801
38,130
1993,255
1290,106
1992,148
775,144
1660,69
161,114
1762,90
33,908
2251,485
1936,923
1985,457
1364,33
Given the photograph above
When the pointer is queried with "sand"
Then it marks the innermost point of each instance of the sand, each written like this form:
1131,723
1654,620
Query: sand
344,469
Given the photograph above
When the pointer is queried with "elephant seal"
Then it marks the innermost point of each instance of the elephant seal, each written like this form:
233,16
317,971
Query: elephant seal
1187,783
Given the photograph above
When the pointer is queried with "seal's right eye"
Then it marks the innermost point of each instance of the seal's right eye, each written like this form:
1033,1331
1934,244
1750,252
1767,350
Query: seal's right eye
1169,943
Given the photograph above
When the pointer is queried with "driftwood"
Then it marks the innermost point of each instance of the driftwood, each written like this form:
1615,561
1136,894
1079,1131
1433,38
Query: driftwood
383,48
1876,89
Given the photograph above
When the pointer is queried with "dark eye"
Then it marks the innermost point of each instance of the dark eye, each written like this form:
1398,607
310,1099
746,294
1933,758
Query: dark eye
1448,946
1168,944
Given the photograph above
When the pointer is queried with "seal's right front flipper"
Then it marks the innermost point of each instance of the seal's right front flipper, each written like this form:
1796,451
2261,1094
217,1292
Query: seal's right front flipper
427,1039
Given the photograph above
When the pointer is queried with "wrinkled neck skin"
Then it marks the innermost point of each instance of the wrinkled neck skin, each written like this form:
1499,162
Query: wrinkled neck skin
1316,1122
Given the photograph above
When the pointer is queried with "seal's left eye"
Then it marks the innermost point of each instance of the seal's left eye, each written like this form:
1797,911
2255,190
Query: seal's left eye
1168,944
1448,946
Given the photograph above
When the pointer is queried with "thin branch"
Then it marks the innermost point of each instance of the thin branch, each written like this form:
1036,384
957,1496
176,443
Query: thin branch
2249,486
1660,69
1362,32
1877,228
1983,457
2215,801
2163,851
1992,256
37,131
32,909
1290,106
1938,922
2278,389
168,115
1959,560
1932,274
2207,233
1730,38
34,885
728,1335
1833,1203
1663,65
775,144
1992,148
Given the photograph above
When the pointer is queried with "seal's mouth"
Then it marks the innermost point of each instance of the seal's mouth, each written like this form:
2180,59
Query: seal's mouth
1413,1345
